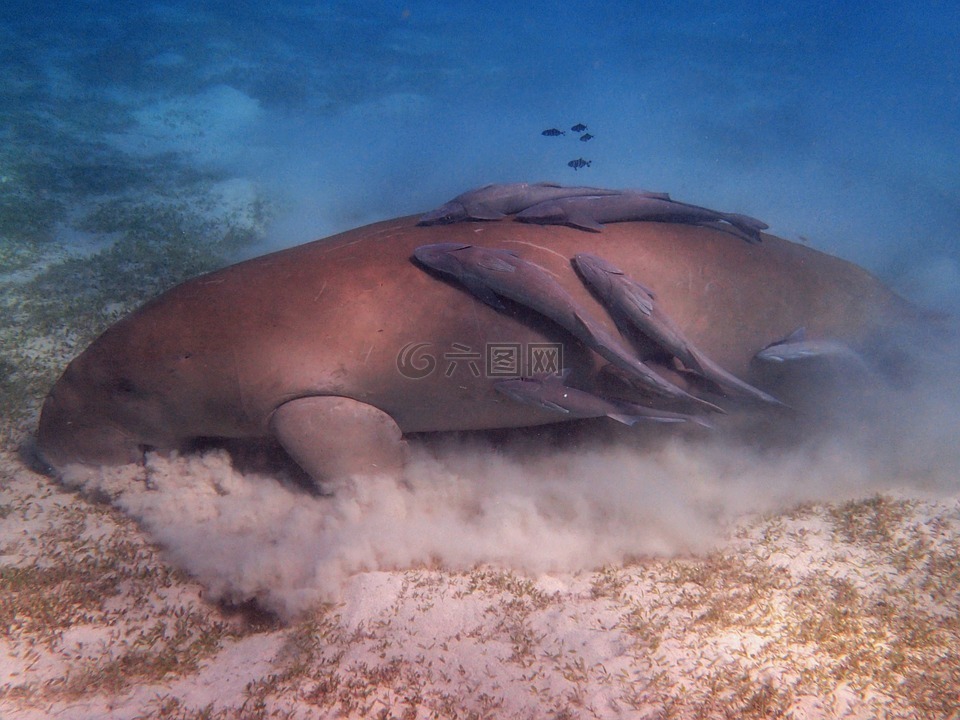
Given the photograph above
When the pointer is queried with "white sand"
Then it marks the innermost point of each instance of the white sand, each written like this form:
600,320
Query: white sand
827,611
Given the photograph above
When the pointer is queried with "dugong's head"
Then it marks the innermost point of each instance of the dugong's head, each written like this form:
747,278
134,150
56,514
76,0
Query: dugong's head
91,415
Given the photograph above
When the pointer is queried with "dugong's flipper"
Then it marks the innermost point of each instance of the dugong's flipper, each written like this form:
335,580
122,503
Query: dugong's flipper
333,437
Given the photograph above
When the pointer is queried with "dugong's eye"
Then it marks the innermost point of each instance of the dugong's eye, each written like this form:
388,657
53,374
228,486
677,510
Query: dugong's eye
125,385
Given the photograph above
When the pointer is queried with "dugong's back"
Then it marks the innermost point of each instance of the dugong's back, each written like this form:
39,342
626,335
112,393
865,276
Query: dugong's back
219,354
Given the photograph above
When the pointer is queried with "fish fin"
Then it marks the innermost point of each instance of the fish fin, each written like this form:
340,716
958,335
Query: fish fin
639,297
632,420
491,262
483,212
699,364
745,221
647,289
747,234
560,378
654,195
584,327
802,351
585,261
766,355
547,183
482,292
547,405
798,335
583,222
787,351
701,421
746,227
446,214
729,384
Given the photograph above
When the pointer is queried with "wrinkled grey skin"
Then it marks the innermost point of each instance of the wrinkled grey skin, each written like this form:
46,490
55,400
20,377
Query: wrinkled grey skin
496,201
490,272
632,306
589,212
551,393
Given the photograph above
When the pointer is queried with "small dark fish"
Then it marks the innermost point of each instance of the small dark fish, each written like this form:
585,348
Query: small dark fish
553,132
579,127
585,137
579,163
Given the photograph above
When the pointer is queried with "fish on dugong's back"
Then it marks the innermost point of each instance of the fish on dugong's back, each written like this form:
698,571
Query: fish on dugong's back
796,348
494,202
552,393
633,307
591,212
312,345
489,272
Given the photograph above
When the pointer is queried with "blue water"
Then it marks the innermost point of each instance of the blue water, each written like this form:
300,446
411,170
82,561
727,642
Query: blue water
836,125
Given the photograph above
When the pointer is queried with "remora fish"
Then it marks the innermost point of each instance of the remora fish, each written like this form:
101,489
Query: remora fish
633,306
590,212
797,350
579,163
551,392
489,272
553,132
579,127
496,201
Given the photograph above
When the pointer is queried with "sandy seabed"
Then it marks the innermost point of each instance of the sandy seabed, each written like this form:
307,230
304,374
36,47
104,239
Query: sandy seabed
840,610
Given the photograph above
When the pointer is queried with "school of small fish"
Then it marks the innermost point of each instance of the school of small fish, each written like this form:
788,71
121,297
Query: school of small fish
579,128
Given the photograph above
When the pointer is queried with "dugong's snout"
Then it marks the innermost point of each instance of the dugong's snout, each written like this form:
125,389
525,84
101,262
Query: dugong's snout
73,430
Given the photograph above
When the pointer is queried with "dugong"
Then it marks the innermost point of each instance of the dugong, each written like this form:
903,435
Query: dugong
340,347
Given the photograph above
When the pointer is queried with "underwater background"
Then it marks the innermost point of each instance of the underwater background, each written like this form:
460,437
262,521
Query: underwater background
141,144
835,124
145,143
